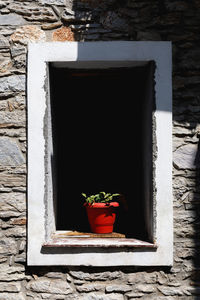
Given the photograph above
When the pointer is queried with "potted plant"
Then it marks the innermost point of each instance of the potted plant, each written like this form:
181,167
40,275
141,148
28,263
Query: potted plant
101,211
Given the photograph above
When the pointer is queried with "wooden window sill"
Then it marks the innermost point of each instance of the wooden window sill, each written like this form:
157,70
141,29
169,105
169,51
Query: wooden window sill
78,239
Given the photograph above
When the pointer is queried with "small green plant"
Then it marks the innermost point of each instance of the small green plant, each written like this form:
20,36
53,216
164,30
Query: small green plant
101,197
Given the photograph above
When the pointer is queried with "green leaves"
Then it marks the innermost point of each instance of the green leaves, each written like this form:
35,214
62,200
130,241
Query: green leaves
101,197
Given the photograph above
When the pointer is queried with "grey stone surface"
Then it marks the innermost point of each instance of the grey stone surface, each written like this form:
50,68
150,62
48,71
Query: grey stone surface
70,16
53,297
2,4
10,154
14,83
10,287
4,43
12,273
12,204
16,232
90,287
15,118
145,288
94,296
134,278
182,131
11,296
11,19
50,286
171,291
148,36
33,12
118,288
186,157
96,276
112,20
14,181
134,295
8,247
17,50
53,2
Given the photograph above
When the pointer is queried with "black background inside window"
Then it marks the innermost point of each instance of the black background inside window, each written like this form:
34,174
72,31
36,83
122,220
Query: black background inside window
102,135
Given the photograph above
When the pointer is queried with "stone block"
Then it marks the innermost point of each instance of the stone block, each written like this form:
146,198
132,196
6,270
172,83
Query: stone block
51,26
90,287
111,20
187,60
56,275
8,247
186,157
17,50
63,34
54,297
182,131
32,12
134,295
28,33
4,43
15,118
170,291
12,205
94,296
176,5
53,2
145,288
50,286
5,64
102,276
13,287
2,4
69,15
144,277
11,19
21,258
10,154
12,273
119,288
16,232
12,296
16,182
14,83
148,36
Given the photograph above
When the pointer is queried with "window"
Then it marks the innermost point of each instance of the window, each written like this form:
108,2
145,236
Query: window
122,92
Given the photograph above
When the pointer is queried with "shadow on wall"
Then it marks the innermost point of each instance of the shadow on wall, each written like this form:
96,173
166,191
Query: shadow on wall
96,20
196,225
186,183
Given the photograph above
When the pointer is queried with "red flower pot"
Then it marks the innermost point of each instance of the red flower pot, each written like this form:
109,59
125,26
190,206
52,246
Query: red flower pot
101,216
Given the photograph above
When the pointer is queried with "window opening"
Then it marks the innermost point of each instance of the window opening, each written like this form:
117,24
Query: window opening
102,139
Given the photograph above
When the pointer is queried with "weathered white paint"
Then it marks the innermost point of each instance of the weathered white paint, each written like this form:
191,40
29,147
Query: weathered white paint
60,239
99,54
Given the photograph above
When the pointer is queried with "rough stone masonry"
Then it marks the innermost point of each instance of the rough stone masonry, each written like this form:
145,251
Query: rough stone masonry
95,20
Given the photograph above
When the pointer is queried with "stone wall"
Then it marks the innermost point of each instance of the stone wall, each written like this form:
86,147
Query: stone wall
87,20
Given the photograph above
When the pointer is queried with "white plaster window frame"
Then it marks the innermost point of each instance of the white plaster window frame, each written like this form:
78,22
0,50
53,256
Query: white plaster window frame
116,52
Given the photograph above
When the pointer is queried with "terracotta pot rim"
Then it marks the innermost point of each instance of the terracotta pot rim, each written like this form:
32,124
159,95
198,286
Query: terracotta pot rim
102,205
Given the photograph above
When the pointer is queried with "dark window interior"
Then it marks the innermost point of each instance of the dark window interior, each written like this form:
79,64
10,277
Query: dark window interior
102,136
